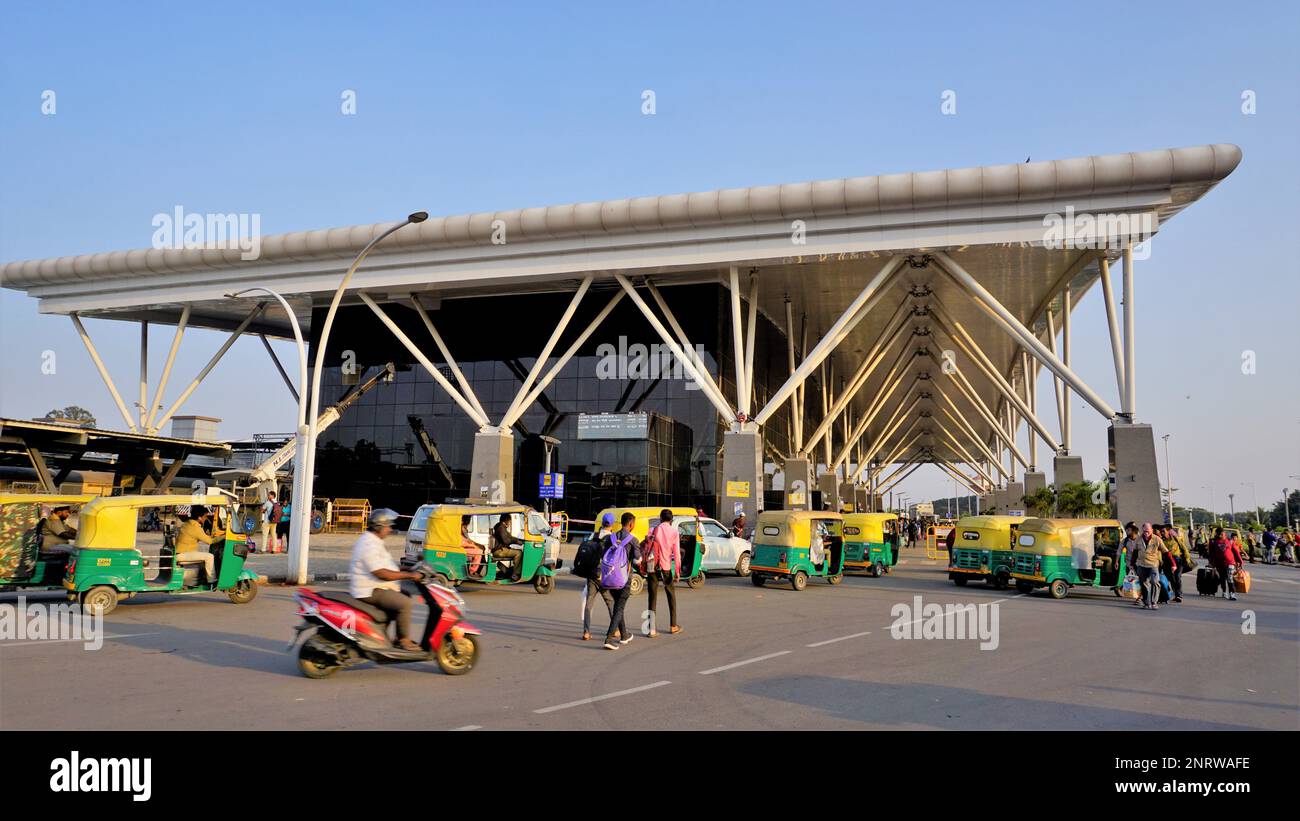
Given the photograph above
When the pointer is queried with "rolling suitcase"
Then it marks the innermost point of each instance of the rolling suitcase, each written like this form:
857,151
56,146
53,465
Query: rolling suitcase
1207,581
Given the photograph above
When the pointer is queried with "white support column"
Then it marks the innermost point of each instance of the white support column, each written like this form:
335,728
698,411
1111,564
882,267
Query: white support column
895,421
796,412
569,354
826,442
156,405
212,363
103,372
701,378
1030,383
1066,308
514,411
470,411
957,445
738,342
1129,403
858,308
749,347
1056,380
685,341
144,373
1112,325
446,355
998,312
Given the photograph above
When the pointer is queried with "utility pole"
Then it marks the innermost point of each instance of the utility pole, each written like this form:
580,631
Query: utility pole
1169,482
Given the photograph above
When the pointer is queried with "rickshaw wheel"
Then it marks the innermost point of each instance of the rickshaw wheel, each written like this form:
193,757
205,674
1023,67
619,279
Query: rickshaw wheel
799,580
635,584
100,599
456,657
1000,581
877,570
1059,589
756,580
1025,587
960,582
543,583
836,579
243,592
696,582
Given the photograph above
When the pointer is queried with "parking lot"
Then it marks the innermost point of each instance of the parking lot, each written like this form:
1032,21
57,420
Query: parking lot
748,658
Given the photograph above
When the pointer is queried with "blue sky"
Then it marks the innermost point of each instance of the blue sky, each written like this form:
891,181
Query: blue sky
234,107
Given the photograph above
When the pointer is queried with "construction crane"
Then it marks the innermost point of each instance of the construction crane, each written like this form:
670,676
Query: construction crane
431,453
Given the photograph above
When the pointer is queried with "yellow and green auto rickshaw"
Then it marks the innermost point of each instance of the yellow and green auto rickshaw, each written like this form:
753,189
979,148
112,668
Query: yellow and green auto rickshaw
1060,554
693,548
797,545
870,542
983,548
444,547
107,565
29,560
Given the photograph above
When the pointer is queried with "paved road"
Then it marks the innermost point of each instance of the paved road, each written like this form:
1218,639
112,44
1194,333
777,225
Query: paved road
749,658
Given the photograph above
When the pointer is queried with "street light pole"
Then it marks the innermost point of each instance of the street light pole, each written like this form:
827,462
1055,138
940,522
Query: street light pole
1254,498
1169,482
1286,507
1232,508
299,527
299,519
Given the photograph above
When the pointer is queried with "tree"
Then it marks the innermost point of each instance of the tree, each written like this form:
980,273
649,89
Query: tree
1082,500
73,413
1042,501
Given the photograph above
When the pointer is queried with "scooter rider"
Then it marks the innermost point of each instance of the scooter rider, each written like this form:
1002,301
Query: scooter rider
375,576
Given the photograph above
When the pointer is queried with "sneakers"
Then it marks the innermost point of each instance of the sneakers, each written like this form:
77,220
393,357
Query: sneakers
626,640
1232,597
610,645
1178,599
675,630
1155,607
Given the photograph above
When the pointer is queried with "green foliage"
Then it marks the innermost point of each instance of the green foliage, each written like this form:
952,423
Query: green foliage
1082,500
74,413
1041,501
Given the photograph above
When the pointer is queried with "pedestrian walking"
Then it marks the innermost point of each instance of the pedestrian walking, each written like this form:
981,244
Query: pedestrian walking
662,555
270,517
622,553
1144,554
282,526
1270,545
1225,555
586,566
1179,560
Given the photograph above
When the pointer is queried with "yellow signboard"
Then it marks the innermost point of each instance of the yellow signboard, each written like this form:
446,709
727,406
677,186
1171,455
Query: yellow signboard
738,490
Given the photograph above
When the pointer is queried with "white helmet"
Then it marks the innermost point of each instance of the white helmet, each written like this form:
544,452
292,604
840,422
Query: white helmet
383,517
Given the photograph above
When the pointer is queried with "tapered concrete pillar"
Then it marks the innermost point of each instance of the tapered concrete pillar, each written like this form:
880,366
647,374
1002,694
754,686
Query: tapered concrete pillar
1034,482
861,500
798,484
1067,470
492,471
1013,498
847,495
1135,480
829,485
877,503
742,474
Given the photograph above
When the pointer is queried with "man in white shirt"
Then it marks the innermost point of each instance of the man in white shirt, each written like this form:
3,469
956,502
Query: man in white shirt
375,577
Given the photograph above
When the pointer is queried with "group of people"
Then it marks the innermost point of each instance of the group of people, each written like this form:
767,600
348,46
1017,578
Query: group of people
1271,545
1159,555
275,524
607,561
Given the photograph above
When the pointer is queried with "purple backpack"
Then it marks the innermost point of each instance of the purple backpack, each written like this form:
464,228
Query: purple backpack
614,564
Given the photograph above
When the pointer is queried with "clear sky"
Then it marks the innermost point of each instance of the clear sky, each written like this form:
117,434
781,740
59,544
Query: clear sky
235,107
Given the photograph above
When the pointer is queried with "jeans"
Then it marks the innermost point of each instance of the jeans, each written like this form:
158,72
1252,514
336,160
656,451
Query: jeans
1175,582
1225,580
398,607
616,621
663,578
1149,578
590,592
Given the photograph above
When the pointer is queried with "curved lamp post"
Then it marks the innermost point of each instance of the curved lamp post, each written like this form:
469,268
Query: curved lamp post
300,520
296,537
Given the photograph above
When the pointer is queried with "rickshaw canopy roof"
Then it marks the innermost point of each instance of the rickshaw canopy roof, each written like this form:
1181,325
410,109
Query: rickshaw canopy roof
992,522
45,498
793,527
109,522
869,524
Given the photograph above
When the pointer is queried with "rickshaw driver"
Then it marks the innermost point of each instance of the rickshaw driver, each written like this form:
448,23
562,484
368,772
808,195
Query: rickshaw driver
501,549
56,534
375,576
195,532
817,550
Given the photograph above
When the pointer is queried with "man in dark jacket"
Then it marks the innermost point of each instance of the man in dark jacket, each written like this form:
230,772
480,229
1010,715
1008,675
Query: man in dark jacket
625,539
502,539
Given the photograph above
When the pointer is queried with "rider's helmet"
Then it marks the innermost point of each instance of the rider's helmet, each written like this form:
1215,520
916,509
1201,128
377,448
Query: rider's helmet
383,517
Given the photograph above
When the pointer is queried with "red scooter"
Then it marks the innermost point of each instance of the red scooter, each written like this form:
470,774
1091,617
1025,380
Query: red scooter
348,631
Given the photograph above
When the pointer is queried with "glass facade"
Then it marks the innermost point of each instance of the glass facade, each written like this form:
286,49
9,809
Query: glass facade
375,452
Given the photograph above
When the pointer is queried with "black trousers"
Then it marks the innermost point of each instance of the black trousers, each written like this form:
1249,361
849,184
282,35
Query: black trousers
1175,576
664,579
590,593
398,607
616,620
516,558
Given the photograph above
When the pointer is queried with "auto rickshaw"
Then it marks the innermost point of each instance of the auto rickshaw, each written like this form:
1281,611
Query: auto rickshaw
870,542
26,563
107,565
798,544
1063,553
692,569
454,564
984,549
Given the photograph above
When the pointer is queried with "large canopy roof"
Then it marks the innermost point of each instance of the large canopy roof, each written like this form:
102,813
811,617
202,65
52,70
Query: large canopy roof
990,219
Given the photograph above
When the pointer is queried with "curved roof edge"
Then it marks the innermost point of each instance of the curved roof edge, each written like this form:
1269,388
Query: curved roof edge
1192,167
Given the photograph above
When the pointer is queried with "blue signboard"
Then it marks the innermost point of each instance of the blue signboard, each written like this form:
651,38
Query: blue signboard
550,485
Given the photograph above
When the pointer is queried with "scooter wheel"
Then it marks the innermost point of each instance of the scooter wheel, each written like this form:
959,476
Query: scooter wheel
311,664
457,657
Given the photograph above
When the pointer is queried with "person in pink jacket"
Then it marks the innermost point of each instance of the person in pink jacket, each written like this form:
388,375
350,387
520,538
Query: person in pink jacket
662,554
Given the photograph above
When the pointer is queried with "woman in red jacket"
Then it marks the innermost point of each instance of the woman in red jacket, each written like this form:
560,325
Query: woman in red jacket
1225,556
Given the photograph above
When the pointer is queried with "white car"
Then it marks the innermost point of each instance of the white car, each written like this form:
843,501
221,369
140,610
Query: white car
722,551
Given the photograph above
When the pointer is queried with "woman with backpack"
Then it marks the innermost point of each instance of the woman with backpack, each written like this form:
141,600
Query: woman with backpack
622,552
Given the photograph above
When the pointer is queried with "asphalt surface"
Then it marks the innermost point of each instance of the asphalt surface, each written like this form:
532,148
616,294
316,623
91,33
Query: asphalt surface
748,658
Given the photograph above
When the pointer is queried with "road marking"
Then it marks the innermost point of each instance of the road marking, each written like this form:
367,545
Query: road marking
594,699
468,727
841,638
85,640
742,663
